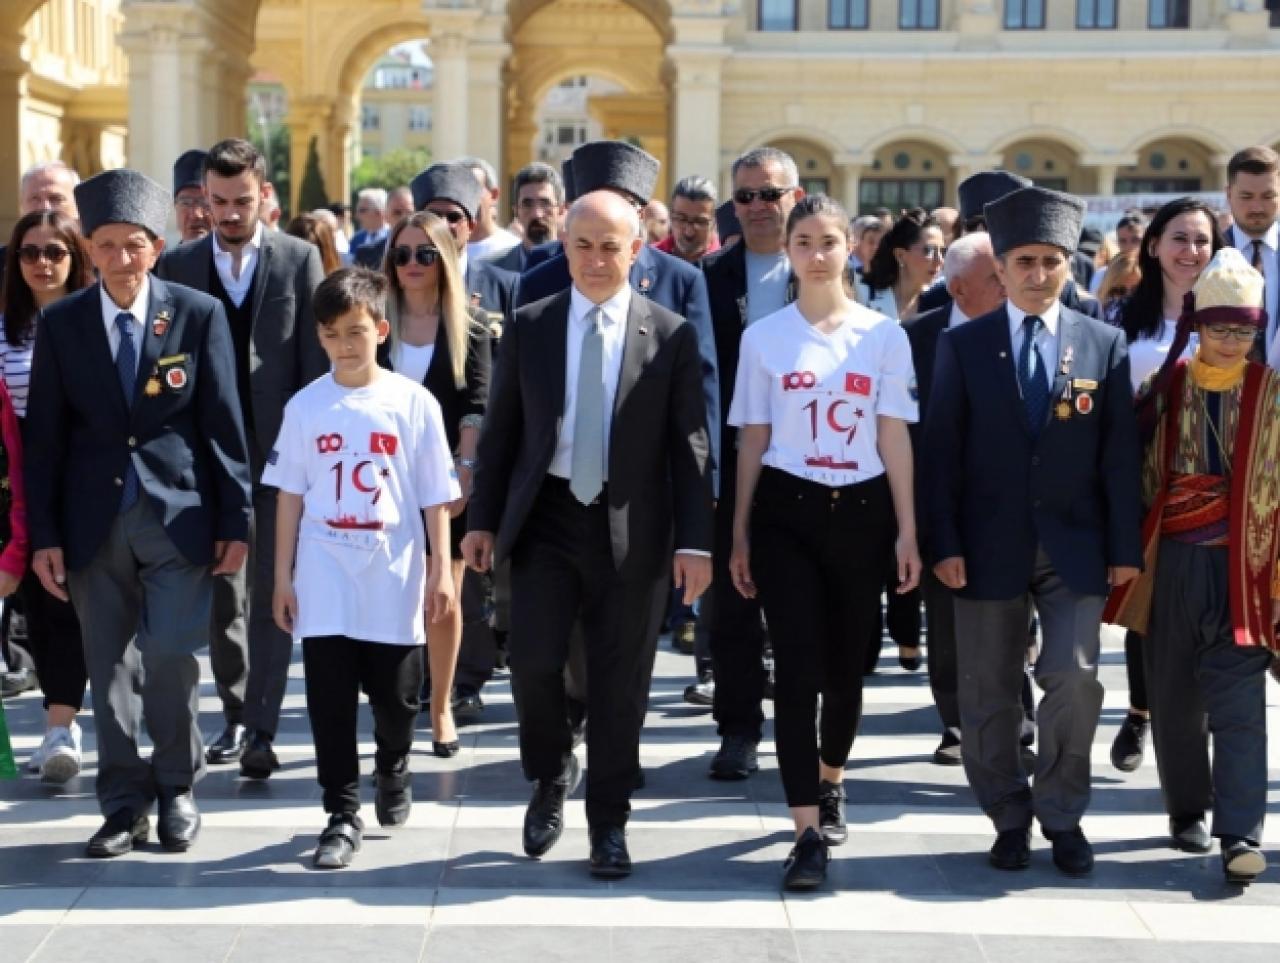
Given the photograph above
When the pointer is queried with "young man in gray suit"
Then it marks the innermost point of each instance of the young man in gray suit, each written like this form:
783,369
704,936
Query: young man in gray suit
264,280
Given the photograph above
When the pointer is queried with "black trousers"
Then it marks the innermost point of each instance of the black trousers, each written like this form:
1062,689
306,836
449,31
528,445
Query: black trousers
337,668
53,639
940,610
817,557
734,634
1204,685
900,615
562,572
1136,671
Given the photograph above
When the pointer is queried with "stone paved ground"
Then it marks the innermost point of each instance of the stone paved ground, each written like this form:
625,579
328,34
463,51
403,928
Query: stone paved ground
912,883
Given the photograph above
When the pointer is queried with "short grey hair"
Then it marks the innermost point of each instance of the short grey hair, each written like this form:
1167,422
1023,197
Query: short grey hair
540,173
964,252
695,188
757,157
48,167
375,196
484,167
865,223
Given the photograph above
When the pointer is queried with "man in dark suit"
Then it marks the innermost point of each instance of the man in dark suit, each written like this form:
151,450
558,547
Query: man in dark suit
190,206
399,206
975,289
452,192
1253,192
1031,453
593,454
264,280
539,209
139,491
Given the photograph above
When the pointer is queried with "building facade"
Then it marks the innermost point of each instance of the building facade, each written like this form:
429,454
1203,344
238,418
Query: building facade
887,102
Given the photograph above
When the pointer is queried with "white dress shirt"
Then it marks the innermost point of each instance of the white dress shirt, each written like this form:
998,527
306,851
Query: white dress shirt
1270,269
1046,339
139,311
613,330
957,317
237,287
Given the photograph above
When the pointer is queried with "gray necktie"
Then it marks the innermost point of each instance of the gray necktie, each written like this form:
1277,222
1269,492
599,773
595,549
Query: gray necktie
586,477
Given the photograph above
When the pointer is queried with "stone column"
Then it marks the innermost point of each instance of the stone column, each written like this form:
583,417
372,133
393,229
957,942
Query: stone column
851,167
696,61
451,30
1106,166
336,160
485,103
13,90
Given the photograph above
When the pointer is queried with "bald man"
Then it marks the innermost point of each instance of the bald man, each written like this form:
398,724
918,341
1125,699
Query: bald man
594,463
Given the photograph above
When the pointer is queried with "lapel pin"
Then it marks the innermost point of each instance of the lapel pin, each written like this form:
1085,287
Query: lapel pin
1004,354
645,283
643,329
176,378
1067,357
475,298
161,324
152,387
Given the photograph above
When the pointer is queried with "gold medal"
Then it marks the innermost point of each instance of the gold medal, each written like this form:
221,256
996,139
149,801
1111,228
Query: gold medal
152,388
1062,411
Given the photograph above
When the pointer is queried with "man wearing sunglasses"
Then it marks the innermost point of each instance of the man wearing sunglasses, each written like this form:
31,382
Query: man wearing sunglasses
452,192
190,207
264,280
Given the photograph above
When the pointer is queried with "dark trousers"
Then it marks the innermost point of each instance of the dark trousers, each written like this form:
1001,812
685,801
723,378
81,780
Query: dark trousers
337,669
562,572
734,635
900,615
940,610
53,640
817,557
1136,671
1204,685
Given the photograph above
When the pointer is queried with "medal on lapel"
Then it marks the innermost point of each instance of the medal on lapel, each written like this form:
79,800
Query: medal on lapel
1062,410
152,388
176,378
161,324
1084,402
1067,357
645,284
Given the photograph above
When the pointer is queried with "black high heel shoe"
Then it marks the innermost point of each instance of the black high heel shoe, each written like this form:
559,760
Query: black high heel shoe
445,750
909,662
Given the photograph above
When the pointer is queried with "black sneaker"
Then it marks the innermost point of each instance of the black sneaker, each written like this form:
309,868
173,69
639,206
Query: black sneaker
1130,743
339,842
948,751
806,866
831,813
736,758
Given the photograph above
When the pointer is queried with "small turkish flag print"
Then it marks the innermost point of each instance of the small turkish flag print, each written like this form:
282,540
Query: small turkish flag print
382,444
856,384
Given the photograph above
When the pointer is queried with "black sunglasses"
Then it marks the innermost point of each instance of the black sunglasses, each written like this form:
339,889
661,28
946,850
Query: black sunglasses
424,254
53,253
770,195
453,217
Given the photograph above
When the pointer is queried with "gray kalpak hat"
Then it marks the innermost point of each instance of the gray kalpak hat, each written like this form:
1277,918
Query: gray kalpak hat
566,175
188,170
450,182
1034,215
614,165
982,188
122,196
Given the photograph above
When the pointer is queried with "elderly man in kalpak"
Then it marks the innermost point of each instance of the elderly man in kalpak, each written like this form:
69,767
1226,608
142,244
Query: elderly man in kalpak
1209,596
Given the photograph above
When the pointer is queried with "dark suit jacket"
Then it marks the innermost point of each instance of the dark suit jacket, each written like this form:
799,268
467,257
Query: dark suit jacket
1260,343
512,260
187,443
492,290
285,352
922,332
455,402
995,493
543,252
659,454
675,284
370,255
1071,297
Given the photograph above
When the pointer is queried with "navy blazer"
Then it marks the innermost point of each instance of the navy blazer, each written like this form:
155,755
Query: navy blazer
492,290
995,493
542,252
186,440
665,280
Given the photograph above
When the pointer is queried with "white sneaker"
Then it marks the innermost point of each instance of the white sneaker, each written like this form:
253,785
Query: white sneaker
36,762
61,754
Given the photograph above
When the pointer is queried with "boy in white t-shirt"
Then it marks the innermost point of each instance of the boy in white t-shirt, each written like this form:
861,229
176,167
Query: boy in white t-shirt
361,462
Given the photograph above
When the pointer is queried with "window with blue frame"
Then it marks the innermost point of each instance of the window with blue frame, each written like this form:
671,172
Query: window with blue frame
1169,14
777,14
1096,14
918,14
847,14
1024,14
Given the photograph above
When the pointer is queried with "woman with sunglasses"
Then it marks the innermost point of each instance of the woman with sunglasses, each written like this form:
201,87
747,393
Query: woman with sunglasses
1177,246
822,402
1209,595
440,340
46,260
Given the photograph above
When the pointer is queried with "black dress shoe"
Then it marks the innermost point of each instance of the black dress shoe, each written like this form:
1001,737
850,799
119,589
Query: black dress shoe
178,822
609,856
229,746
259,760
339,842
1130,743
736,758
911,663
1072,853
544,819
392,797
831,813
466,703
806,866
948,751
1242,862
1012,849
1190,834
118,835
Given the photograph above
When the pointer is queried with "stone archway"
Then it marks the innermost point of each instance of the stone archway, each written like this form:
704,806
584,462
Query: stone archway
1173,164
622,41
1047,162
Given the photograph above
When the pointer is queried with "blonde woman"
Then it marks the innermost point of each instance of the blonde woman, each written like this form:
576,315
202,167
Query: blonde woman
439,340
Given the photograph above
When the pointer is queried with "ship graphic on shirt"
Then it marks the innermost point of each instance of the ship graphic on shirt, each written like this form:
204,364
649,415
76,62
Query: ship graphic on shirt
350,523
829,461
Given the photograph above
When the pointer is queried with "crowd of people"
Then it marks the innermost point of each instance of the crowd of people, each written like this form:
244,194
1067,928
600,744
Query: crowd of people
434,446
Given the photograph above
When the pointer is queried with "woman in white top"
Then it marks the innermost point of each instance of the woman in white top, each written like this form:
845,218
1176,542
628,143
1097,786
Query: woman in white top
440,341
905,265
822,400
1181,239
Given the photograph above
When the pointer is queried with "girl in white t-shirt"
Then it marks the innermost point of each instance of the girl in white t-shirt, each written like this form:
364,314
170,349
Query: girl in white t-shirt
824,391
